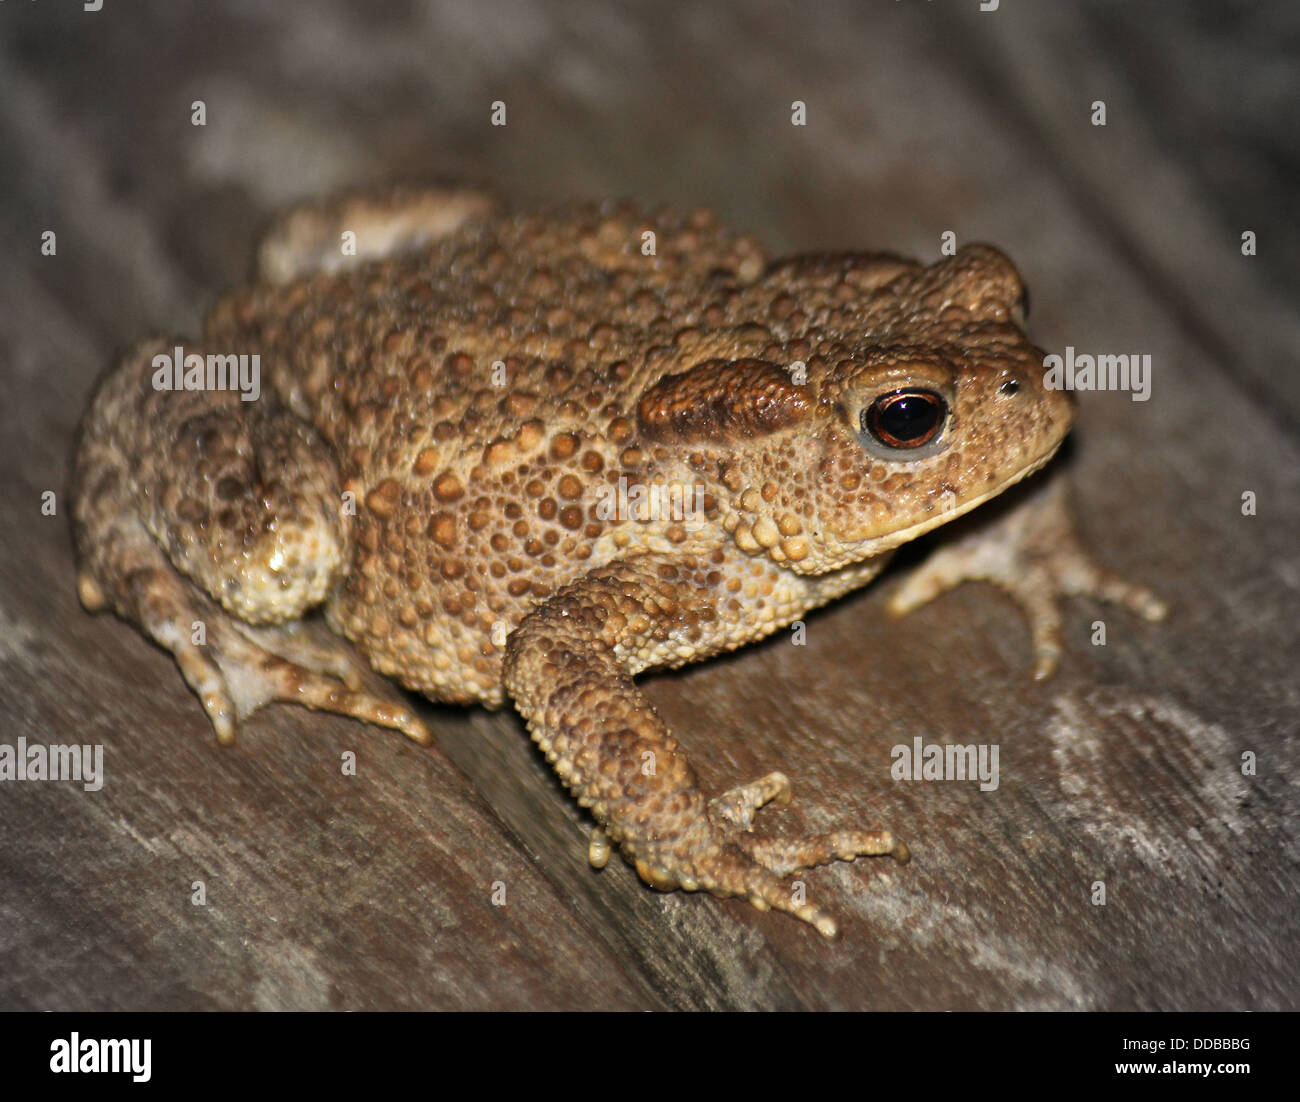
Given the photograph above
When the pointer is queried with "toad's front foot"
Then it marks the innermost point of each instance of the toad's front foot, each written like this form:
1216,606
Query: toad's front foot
565,670
1034,554
719,854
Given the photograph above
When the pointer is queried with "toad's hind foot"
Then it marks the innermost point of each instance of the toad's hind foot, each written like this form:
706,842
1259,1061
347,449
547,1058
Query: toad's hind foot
245,668
235,668
304,240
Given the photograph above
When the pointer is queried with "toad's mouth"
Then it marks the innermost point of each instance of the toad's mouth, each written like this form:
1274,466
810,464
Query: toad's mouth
887,541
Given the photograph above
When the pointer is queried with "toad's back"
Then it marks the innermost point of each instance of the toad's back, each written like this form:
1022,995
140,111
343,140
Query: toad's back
480,394
552,315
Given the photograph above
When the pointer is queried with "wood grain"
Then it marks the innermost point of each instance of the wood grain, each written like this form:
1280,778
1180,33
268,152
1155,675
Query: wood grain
327,891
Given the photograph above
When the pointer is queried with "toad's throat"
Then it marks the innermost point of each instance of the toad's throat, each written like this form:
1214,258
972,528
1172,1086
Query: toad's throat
887,541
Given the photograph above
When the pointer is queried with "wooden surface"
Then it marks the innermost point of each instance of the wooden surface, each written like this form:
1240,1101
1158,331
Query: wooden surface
374,891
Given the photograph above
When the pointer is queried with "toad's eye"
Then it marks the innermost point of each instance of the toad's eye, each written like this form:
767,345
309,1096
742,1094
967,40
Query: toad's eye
905,419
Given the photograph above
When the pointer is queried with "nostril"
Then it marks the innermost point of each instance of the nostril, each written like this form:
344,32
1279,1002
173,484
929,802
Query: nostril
1010,387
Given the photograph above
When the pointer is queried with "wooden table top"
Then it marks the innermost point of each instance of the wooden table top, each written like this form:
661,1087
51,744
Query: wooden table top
375,891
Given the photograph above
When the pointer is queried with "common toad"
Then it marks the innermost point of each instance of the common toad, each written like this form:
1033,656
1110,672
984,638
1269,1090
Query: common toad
528,456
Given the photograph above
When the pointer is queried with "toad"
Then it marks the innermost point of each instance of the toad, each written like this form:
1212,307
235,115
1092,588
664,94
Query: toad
525,457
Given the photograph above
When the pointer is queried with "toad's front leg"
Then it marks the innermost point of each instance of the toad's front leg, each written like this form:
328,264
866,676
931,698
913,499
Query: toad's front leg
1026,545
569,668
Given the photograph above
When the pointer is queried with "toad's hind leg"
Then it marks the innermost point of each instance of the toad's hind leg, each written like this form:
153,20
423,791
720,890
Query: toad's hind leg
214,524
569,668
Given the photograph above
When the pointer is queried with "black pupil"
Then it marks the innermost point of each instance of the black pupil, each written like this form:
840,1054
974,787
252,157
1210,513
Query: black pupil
907,417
